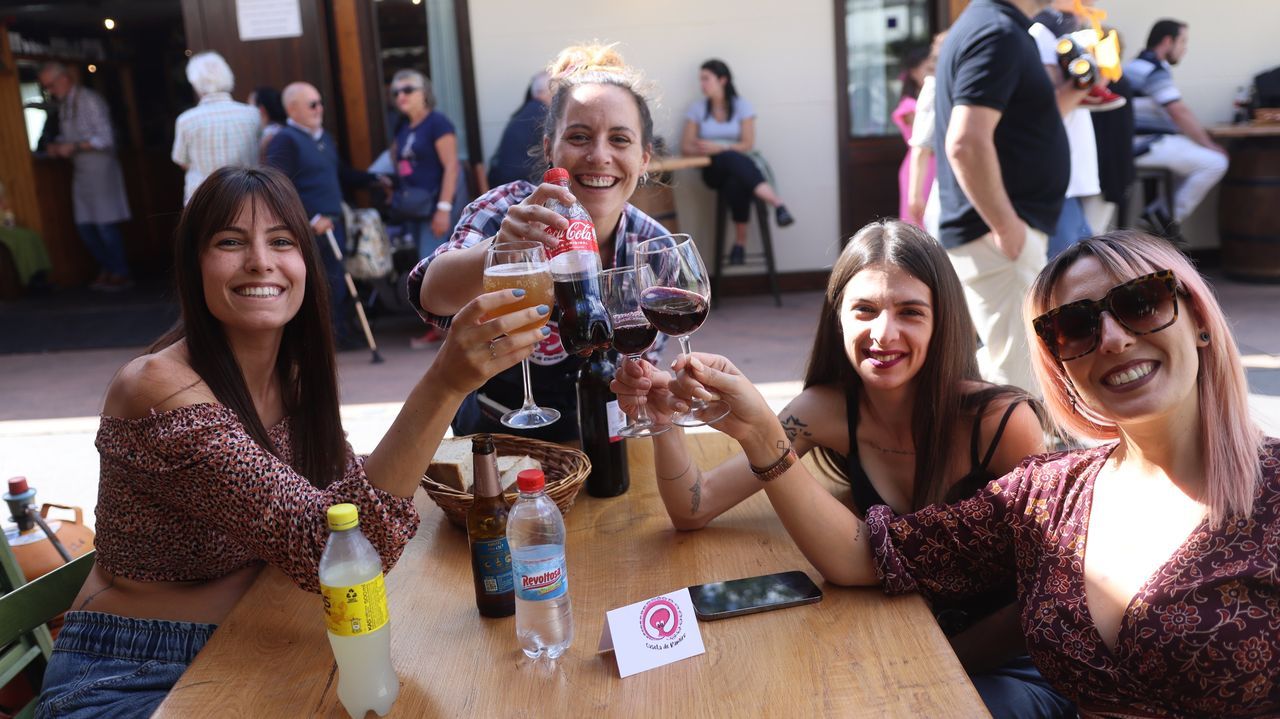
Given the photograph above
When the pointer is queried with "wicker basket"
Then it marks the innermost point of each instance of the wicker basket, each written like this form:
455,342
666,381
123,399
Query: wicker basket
565,468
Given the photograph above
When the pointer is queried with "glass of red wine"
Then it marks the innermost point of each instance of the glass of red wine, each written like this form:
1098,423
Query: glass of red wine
632,335
675,294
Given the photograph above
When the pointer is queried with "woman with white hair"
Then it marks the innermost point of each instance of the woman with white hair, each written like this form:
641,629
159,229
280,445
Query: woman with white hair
218,131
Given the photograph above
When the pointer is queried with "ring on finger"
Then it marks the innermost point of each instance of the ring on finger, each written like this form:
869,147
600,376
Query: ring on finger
493,349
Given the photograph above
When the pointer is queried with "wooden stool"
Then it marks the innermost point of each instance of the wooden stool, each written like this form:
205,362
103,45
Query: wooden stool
766,238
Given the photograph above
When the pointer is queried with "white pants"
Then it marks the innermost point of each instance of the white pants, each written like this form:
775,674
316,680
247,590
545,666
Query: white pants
1098,213
995,287
1196,169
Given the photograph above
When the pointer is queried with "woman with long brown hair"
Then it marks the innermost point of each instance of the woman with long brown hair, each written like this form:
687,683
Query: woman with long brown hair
222,447
892,404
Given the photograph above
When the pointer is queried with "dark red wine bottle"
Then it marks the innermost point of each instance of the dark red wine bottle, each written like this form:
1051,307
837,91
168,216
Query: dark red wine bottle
599,420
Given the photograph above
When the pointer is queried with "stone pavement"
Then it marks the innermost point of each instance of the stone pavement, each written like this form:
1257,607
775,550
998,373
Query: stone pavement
48,416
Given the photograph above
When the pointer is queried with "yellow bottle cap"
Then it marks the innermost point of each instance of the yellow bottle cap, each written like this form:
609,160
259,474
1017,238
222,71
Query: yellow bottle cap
343,516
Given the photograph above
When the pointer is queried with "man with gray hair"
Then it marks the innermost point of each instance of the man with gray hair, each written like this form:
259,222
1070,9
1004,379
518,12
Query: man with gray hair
97,185
218,131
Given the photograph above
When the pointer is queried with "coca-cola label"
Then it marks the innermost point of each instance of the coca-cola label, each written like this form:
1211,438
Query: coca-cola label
550,351
580,235
539,574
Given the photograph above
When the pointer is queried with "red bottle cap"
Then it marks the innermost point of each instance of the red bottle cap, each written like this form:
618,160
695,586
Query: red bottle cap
18,485
556,175
530,480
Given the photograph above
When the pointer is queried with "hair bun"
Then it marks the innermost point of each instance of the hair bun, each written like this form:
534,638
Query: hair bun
578,62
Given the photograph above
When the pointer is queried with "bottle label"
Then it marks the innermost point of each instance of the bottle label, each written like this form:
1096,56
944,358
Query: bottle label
491,560
539,578
580,235
617,418
355,611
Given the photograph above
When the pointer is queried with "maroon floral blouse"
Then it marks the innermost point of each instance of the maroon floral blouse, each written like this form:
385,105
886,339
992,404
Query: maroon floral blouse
1202,636
188,495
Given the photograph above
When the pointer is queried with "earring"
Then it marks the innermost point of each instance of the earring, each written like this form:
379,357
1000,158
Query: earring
644,179
1204,336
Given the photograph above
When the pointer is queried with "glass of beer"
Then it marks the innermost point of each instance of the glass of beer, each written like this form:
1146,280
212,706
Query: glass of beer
522,265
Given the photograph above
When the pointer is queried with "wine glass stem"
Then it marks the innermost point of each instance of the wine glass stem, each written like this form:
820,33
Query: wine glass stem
528,385
642,412
687,349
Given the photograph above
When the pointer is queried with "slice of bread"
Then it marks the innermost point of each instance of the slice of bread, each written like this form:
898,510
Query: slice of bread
451,465
509,467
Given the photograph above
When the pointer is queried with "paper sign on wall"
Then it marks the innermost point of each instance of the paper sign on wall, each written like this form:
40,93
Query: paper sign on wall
652,633
268,19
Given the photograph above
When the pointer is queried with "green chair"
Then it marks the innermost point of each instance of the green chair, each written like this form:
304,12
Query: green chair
25,608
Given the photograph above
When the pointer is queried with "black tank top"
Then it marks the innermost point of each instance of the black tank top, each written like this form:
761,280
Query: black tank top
954,615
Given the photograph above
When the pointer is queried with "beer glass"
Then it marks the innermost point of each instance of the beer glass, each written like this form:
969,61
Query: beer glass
522,265
632,335
675,294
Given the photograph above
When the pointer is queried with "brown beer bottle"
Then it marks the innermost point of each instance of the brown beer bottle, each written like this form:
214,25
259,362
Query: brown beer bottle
487,534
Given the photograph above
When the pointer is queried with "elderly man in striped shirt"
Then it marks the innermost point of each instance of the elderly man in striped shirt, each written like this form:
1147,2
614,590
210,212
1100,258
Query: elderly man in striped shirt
218,131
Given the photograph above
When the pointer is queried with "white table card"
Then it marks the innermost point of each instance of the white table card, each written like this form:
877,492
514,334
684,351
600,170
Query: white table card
652,633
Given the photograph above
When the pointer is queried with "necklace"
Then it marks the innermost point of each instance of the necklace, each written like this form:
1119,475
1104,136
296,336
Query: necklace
890,450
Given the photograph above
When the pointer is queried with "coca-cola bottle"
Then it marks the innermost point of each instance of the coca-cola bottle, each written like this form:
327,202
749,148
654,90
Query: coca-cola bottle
575,269
599,420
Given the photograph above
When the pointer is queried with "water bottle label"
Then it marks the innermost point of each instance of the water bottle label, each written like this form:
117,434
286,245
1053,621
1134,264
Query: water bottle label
492,561
538,579
617,418
579,236
355,611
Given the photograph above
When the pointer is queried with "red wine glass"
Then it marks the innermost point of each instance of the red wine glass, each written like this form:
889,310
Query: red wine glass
632,335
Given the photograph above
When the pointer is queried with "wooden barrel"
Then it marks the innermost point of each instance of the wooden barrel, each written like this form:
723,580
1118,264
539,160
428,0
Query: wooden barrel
1249,211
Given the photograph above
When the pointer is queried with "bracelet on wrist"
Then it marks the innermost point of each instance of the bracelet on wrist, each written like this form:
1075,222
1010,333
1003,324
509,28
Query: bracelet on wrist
777,468
446,206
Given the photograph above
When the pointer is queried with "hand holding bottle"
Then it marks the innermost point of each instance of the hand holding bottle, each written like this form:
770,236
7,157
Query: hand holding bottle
532,220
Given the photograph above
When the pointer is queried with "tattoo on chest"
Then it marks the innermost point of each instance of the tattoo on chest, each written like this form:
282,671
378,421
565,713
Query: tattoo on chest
795,428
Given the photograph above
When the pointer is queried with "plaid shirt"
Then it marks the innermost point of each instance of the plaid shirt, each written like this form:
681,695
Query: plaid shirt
215,133
482,219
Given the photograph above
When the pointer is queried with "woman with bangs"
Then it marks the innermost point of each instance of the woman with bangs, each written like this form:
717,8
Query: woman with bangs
1148,567
222,447
892,404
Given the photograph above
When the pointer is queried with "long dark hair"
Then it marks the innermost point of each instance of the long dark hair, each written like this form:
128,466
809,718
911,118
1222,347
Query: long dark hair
721,71
268,98
913,59
305,362
941,401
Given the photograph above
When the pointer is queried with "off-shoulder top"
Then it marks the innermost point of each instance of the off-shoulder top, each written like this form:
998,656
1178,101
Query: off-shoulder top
188,495
1200,638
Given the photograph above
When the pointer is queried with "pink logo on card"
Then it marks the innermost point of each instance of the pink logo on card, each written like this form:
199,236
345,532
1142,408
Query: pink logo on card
660,619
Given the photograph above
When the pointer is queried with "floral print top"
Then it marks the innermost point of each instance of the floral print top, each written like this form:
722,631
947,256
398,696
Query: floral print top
1200,638
188,495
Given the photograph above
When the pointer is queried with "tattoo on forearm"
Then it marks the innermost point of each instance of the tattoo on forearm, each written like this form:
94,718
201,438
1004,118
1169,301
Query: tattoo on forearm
795,428
110,585
696,489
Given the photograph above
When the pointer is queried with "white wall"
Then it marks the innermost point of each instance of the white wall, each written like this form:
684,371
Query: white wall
783,59
1230,42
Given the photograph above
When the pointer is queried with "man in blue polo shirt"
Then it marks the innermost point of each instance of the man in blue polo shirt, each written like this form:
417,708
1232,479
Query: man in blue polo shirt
1166,133
308,156
1003,176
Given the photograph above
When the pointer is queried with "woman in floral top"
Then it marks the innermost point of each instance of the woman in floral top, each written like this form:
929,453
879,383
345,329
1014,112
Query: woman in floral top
1148,567
222,448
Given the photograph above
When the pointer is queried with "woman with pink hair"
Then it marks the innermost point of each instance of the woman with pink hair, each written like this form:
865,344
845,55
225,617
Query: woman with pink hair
1148,566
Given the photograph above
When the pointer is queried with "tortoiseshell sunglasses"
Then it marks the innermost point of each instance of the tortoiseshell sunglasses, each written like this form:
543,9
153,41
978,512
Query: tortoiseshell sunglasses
1142,306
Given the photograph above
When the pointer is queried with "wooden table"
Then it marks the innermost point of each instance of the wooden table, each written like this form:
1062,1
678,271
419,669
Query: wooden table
678,162
1245,129
855,653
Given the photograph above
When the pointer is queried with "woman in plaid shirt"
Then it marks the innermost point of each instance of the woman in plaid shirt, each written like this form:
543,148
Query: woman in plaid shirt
600,129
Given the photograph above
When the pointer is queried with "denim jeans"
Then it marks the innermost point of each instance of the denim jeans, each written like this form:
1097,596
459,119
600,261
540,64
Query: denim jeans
104,665
1071,228
1017,691
107,247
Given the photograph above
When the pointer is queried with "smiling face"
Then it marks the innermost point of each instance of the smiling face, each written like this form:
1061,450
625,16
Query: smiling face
1132,380
599,141
253,272
887,319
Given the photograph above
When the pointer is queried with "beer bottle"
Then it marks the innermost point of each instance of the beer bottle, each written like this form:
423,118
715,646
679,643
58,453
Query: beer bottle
487,534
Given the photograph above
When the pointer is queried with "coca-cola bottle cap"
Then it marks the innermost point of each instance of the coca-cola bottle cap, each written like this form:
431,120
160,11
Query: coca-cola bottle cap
530,480
556,175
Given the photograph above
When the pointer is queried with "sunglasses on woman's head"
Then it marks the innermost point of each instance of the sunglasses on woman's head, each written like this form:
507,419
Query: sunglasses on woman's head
1142,306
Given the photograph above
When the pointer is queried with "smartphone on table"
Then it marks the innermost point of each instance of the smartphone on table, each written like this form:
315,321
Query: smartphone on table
718,600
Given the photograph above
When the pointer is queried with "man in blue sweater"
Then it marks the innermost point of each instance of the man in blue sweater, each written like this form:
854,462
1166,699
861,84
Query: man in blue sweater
308,155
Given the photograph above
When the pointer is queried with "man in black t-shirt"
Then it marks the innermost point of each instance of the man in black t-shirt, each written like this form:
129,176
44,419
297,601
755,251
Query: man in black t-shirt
1004,174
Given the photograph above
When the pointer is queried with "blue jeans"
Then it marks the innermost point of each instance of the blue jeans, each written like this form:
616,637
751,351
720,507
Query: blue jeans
1017,691
107,247
1071,227
109,666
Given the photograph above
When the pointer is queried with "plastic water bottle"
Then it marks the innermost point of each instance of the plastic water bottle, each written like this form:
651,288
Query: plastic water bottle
535,533
355,607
